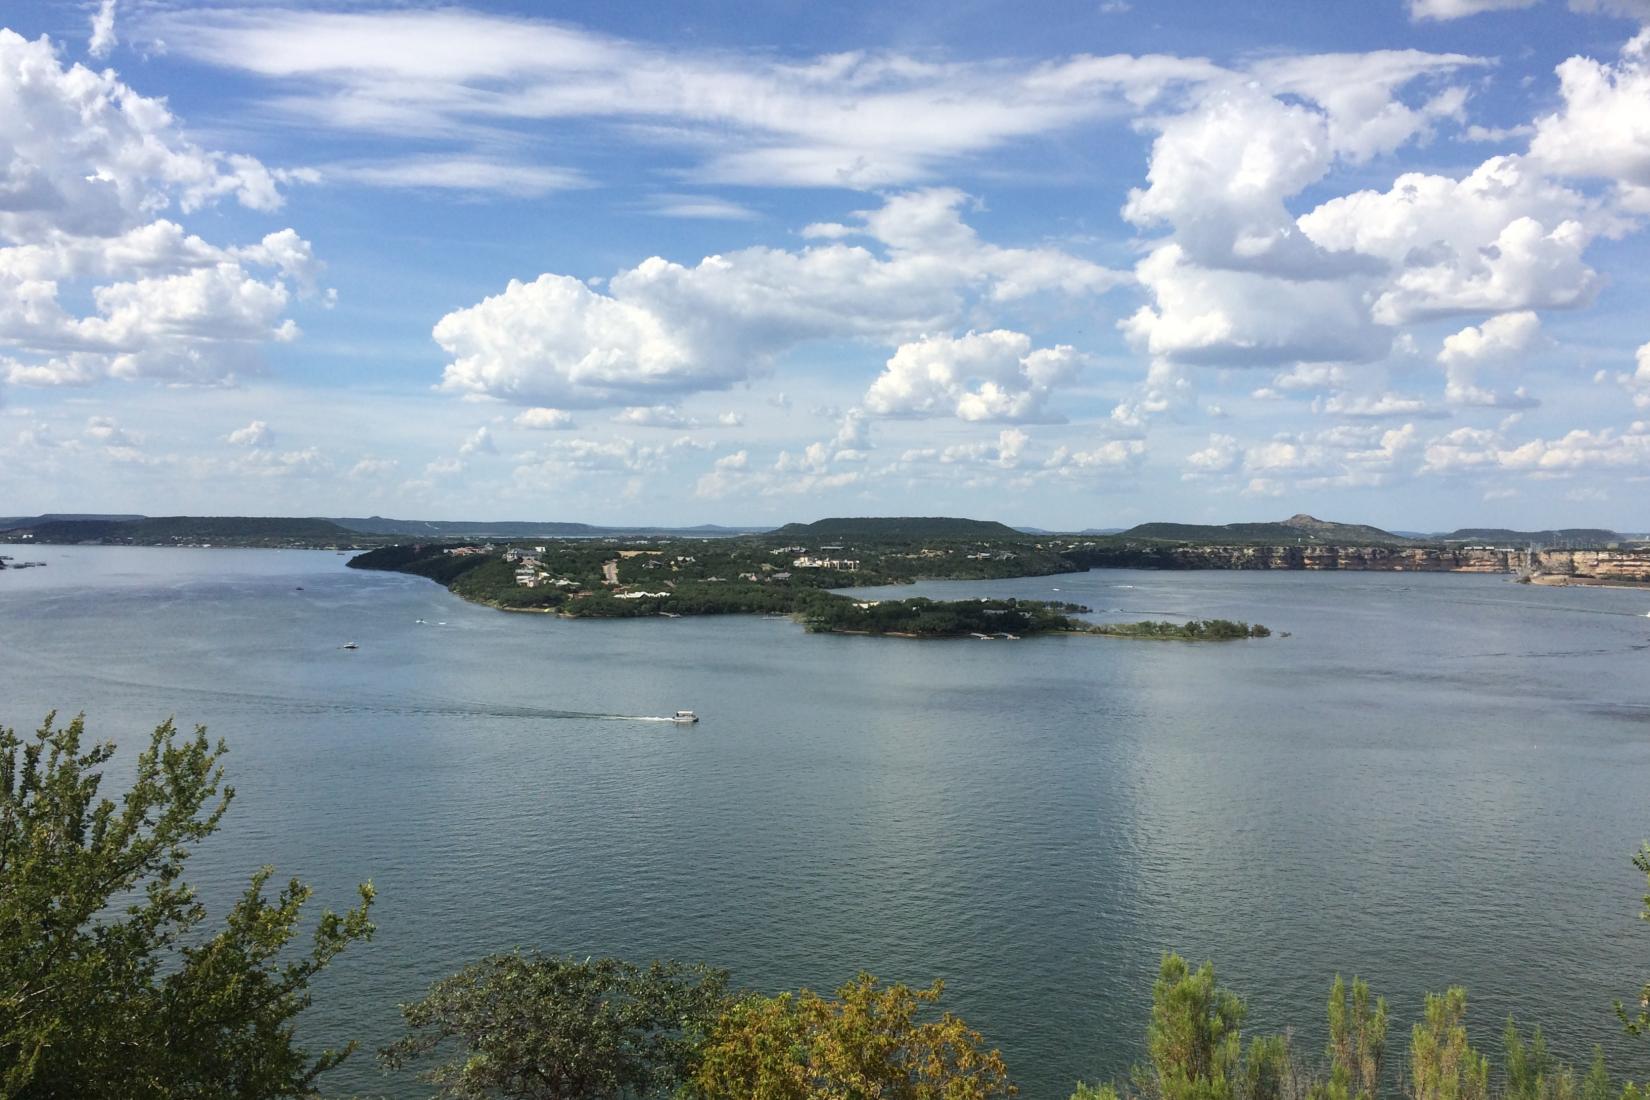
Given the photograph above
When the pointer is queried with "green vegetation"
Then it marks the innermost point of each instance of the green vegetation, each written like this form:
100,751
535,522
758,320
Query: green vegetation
1296,530
108,985
1198,630
604,1028
1639,1023
1196,1051
926,618
590,579
546,1028
868,1042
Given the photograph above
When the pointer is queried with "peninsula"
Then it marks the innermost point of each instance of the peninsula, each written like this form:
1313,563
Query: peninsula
773,574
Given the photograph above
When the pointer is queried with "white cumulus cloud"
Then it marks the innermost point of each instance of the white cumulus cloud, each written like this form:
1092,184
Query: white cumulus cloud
1504,237
255,434
94,282
1603,129
982,376
662,329
1498,344
544,419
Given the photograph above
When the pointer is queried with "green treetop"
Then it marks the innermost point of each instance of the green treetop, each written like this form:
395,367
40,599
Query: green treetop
109,985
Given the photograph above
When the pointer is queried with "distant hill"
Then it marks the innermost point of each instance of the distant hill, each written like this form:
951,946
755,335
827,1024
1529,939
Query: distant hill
9,522
1570,537
1084,531
893,528
164,530
1296,529
318,531
520,529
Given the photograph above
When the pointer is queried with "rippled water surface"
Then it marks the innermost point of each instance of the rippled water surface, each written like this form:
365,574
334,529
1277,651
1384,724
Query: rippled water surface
1435,779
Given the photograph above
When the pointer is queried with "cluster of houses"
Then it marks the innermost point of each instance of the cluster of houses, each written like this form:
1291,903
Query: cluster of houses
530,570
808,561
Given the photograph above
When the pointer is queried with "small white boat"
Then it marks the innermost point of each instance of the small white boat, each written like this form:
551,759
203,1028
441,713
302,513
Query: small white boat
349,645
685,717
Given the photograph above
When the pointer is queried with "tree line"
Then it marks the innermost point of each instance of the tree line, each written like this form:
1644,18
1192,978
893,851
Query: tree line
112,985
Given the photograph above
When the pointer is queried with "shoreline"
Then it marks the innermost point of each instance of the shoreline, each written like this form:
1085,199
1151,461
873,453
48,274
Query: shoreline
821,620
1562,580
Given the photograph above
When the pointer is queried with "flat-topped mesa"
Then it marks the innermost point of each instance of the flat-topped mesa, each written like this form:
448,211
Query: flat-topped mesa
1299,529
898,529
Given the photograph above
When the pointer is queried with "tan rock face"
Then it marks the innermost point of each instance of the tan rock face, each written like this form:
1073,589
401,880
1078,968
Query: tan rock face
1626,565
1604,565
1363,558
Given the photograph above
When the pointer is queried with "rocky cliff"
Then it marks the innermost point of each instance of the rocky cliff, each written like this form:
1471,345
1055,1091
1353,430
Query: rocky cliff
1598,565
1595,565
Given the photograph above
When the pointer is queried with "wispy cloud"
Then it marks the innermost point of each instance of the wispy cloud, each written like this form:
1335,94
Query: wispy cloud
458,173
859,119
699,206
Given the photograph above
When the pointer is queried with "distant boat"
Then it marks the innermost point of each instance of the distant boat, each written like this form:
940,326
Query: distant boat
349,645
685,717
421,621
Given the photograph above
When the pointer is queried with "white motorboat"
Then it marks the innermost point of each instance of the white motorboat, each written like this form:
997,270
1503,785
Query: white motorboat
349,645
685,717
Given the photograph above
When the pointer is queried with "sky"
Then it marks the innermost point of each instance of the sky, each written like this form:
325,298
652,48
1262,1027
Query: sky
1062,264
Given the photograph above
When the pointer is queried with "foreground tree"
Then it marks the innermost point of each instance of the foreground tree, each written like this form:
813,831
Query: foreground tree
1195,1044
109,987
533,1027
867,1042
1357,1041
1639,1022
1442,1064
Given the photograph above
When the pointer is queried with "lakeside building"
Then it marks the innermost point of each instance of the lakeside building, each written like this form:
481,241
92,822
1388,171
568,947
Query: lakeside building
808,562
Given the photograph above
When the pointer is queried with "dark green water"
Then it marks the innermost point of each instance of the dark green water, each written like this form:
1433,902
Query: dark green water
1437,779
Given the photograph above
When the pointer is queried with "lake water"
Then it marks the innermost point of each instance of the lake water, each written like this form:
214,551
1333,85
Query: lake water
1436,779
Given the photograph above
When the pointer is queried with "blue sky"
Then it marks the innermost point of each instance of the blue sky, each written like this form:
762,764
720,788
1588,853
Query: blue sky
1087,265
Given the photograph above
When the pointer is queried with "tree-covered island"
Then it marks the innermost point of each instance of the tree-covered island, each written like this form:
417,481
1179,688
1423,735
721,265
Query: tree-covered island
777,575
